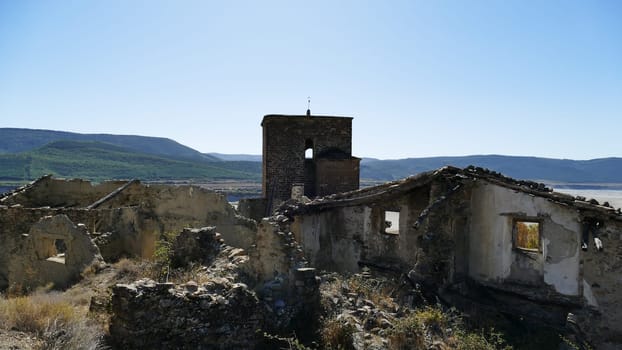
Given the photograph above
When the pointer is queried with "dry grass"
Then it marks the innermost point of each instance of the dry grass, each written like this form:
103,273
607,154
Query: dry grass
336,334
197,273
379,291
53,318
129,270
430,325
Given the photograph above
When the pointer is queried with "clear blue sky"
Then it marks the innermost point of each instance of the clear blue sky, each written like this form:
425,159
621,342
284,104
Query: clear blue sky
421,78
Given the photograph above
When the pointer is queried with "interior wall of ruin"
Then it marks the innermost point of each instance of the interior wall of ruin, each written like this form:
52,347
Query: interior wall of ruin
492,256
164,208
52,192
334,239
340,238
191,206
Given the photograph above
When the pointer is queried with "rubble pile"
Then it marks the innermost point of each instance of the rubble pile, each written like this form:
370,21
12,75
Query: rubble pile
218,311
228,306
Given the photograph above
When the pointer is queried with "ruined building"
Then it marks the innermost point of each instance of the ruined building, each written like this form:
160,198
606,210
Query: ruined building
46,227
478,240
309,154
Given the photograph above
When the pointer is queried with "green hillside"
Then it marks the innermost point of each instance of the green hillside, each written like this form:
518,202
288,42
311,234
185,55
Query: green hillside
14,140
101,161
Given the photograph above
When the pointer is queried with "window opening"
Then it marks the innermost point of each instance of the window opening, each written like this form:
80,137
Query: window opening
527,235
61,247
392,222
308,149
52,250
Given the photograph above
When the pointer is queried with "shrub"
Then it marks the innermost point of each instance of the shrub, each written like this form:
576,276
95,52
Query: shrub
407,333
130,270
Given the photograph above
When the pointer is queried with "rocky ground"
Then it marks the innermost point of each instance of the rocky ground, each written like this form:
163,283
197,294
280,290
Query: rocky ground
16,340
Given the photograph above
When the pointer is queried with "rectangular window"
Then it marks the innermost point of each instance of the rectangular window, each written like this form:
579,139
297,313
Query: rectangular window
527,235
392,222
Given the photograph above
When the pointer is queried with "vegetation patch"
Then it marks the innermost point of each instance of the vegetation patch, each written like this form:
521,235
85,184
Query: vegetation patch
53,318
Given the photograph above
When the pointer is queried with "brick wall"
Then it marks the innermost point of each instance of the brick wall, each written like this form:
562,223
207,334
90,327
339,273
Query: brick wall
285,139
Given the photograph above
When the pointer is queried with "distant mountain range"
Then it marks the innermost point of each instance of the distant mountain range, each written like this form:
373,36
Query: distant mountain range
604,170
26,154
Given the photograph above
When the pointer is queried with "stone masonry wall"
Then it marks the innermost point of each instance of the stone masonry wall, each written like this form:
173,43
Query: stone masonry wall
215,315
285,139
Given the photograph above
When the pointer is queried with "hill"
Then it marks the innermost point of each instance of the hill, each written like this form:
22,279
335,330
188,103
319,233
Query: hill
14,140
533,168
99,161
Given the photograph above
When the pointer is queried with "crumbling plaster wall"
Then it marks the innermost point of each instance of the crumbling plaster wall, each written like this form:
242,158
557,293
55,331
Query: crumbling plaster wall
492,256
343,238
334,239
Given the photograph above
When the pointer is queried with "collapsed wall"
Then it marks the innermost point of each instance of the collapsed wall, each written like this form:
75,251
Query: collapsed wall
241,297
125,218
220,313
55,250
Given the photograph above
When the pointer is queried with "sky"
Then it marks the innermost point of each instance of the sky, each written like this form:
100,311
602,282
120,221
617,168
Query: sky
421,78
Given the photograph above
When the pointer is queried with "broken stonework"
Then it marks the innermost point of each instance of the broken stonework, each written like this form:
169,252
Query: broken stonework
126,218
240,296
288,288
216,315
195,245
54,251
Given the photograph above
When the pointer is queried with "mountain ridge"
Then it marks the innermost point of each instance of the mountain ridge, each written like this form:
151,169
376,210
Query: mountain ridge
24,150
16,140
